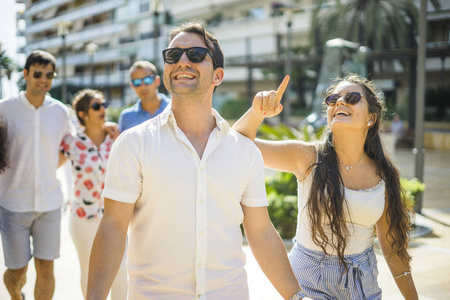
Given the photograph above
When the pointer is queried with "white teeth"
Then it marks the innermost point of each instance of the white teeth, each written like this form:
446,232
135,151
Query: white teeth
185,76
342,113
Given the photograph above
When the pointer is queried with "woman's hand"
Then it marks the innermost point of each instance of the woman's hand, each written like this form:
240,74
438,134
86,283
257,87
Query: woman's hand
112,129
267,103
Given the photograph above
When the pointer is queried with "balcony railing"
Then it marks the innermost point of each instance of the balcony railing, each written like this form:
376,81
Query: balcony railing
43,5
88,35
81,12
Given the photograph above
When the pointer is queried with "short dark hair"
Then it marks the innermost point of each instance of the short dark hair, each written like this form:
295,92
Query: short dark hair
82,101
210,41
41,58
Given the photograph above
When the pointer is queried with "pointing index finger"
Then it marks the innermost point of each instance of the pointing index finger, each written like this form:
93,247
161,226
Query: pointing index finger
282,88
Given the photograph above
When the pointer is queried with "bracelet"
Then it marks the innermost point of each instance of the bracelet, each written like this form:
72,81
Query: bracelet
298,296
403,274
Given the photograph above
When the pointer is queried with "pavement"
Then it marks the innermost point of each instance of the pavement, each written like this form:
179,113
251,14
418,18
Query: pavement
431,253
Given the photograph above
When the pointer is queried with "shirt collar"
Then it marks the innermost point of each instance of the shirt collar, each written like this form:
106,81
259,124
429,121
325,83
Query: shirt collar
139,105
168,117
23,99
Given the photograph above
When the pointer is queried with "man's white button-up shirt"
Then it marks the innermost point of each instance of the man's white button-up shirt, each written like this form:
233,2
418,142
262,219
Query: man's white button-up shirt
185,240
34,139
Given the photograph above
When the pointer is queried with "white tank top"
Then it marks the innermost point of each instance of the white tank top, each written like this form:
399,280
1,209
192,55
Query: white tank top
365,209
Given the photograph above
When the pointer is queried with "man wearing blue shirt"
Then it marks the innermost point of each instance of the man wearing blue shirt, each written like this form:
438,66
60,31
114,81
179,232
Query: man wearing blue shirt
145,82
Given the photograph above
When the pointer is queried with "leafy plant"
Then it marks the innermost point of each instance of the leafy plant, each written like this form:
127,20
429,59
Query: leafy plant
283,209
412,187
233,109
113,113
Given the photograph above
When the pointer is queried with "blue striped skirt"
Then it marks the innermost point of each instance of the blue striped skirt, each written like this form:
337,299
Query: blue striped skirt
321,277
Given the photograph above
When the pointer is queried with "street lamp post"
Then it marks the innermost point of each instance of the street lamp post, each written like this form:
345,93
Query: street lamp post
419,150
62,31
289,9
91,48
155,8
288,67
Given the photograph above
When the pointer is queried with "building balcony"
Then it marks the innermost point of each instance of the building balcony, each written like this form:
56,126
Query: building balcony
199,8
100,57
81,12
89,34
43,5
260,37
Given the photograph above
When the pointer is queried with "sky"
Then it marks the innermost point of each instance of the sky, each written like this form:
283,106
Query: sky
9,41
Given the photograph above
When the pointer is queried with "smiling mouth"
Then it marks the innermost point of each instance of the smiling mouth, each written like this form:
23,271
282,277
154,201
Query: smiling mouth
183,76
342,114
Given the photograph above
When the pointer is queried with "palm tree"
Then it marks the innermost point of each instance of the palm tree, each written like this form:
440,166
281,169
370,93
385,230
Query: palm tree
6,64
378,24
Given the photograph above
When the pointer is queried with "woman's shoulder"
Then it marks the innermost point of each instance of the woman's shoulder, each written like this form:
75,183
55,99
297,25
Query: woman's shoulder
306,157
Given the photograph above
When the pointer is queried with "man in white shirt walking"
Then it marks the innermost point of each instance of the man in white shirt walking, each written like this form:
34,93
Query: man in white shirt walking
186,181
30,194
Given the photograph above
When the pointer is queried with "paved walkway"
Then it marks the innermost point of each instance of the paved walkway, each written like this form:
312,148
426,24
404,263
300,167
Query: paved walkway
431,255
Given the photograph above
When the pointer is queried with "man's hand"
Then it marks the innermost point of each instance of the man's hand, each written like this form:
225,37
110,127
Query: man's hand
112,129
267,103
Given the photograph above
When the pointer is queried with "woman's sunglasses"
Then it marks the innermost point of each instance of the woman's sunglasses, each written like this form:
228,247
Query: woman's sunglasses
351,98
98,105
38,74
194,54
146,80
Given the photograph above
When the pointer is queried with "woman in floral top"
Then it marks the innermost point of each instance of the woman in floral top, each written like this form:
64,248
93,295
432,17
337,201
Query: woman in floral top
89,152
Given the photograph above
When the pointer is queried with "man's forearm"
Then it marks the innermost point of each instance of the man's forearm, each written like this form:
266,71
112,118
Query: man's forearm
106,256
270,253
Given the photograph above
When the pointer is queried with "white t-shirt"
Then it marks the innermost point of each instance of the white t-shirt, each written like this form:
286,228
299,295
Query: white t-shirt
34,138
185,237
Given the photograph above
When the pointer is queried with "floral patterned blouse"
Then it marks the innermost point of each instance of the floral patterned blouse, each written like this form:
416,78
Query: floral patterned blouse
88,169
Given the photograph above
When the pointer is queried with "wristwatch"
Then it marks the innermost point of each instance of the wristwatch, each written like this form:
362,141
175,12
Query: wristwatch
298,296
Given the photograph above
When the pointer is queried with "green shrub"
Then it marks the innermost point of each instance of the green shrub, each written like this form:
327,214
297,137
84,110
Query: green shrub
113,113
283,209
412,187
283,213
234,109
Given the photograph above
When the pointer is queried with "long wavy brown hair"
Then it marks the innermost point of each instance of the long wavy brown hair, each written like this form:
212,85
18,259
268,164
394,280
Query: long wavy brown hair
3,147
326,202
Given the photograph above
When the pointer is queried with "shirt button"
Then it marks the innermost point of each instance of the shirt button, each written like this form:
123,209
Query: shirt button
200,201
201,232
199,296
200,265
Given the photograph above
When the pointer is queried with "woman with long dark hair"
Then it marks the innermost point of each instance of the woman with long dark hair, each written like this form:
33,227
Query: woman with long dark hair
347,186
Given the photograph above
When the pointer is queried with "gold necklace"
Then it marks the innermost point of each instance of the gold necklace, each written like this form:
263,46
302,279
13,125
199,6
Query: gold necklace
348,167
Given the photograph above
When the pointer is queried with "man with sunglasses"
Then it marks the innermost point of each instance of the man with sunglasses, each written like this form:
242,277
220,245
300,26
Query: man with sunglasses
187,181
145,82
30,194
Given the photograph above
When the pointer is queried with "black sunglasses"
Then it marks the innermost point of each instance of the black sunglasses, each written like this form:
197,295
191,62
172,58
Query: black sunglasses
146,80
97,105
50,75
194,54
351,98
